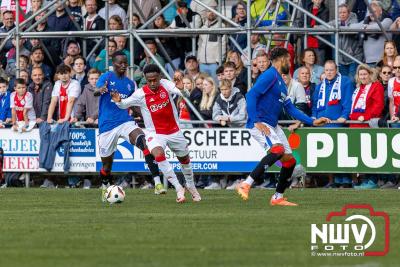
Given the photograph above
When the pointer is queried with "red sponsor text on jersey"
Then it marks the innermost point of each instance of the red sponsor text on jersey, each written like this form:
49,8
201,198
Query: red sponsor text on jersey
161,110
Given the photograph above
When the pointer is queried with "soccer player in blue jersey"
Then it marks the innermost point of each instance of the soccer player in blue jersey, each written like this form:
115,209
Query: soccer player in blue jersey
264,105
115,123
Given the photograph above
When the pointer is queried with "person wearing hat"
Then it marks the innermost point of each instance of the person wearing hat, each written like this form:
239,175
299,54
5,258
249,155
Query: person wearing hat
192,67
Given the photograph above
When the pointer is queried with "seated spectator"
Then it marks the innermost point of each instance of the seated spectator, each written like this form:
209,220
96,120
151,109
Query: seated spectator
309,87
255,46
88,104
65,94
209,96
241,70
255,72
229,108
296,93
389,54
368,103
21,104
263,63
79,69
230,74
113,10
138,51
194,97
241,19
11,68
396,26
73,51
199,81
100,62
183,109
220,73
374,42
194,21
8,20
309,58
23,74
37,57
115,23
35,6
257,9
171,46
279,41
151,45
5,110
394,93
192,67
41,89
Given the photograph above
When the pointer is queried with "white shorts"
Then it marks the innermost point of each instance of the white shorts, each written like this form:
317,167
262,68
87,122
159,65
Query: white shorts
276,136
108,141
176,142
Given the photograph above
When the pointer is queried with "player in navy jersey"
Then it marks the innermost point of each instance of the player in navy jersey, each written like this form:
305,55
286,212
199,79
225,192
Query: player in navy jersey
115,123
265,102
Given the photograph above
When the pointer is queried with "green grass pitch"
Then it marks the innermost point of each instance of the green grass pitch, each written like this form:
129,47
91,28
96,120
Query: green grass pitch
72,227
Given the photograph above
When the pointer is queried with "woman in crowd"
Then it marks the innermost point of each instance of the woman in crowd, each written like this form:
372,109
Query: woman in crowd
115,23
241,70
209,95
309,58
389,54
367,104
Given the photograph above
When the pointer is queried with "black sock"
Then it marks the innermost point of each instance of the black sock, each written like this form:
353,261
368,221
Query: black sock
153,167
265,162
284,179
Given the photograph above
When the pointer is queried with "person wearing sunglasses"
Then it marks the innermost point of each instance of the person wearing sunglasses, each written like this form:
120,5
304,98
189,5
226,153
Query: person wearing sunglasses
394,93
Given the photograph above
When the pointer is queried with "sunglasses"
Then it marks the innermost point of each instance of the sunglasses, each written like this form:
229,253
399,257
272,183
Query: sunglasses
386,72
396,67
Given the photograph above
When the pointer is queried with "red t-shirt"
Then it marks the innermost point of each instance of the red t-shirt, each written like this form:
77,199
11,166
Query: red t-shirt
312,42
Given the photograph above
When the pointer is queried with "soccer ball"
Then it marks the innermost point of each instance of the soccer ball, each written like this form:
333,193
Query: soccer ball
115,194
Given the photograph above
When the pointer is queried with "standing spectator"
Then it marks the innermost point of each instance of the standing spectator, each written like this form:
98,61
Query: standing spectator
8,25
113,9
195,22
389,54
257,9
208,53
374,42
192,67
41,92
21,104
171,46
152,46
318,9
65,93
120,42
79,69
394,93
11,68
73,51
332,97
25,7
35,6
209,95
309,87
92,22
348,42
199,81
75,6
88,104
138,51
5,110
309,58
255,46
229,108
230,74
202,10
220,73
147,8
37,57
367,104
241,19
115,23
241,70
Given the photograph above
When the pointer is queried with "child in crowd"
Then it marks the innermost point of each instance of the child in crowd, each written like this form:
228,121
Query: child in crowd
5,110
21,104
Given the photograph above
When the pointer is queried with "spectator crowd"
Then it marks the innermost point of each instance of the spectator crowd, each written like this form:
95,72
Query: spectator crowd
55,78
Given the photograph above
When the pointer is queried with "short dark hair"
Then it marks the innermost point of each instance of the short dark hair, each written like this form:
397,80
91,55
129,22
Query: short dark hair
8,12
80,57
220,70
19,81
2,80
150,68
278,52
26,58
303,54
116,54
61,69
37,48
331,62
150,42
229,64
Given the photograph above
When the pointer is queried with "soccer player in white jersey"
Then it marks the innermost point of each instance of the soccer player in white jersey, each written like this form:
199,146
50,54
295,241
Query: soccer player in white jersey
160,116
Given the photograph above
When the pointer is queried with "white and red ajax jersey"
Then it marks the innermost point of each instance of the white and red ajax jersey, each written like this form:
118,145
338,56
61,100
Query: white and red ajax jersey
158,108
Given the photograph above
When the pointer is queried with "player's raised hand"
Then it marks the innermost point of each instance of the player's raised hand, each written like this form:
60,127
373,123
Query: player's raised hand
321,121
101,90
115,96
262,127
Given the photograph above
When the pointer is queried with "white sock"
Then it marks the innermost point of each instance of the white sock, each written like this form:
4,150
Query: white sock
188,173
249,180
277,195
168,172
157,180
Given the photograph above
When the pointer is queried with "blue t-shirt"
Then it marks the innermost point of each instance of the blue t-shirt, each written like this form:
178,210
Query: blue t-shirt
111,116
5,110
267,98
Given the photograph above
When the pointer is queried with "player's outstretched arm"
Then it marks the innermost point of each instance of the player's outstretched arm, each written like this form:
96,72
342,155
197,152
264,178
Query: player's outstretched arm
132,100
298,115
